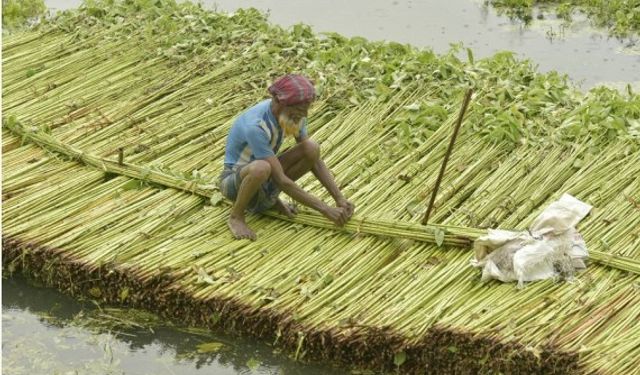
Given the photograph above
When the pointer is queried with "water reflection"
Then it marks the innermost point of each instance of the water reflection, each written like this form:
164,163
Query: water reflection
46,332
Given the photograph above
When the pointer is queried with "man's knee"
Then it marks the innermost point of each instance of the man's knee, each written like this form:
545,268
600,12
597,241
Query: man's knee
259,169
311,150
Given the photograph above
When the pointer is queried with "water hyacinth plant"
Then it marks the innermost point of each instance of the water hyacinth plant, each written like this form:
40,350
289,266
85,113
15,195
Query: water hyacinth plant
164,81
620,17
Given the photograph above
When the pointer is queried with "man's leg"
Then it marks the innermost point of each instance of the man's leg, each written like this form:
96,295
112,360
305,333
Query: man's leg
300,159
252,176
296,162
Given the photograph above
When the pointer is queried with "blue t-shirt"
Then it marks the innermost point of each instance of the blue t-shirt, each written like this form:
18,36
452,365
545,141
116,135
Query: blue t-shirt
255,134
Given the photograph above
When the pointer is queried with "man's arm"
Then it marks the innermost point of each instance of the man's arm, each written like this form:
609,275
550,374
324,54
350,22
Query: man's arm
323,174
336,214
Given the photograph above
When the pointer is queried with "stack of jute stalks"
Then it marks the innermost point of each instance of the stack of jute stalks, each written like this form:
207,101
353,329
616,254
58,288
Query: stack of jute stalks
164,82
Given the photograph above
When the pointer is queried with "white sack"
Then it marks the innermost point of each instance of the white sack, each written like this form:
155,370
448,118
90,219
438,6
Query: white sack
551,247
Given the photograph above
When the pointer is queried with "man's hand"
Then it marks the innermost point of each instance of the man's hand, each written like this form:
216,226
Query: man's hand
286,209
336,214
347,206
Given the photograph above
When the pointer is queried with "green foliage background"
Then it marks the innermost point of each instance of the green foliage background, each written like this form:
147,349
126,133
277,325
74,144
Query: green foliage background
17,12
621,17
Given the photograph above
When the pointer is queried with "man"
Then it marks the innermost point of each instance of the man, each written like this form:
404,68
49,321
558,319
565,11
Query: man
253,175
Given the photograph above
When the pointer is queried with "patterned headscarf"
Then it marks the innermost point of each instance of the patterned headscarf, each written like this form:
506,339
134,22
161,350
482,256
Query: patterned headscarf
293,89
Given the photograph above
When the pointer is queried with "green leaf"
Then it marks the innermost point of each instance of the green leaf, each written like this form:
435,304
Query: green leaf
124,293
203,276
306,292
132,185
362,372
216,198
412,107
215,318
439,234
327,279
405,132
253,364
578,163
210,347
452,349
399,358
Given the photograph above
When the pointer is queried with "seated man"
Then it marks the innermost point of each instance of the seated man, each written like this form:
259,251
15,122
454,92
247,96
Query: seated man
253,175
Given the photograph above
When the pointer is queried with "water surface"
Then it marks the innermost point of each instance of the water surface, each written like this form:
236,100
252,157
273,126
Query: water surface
46,332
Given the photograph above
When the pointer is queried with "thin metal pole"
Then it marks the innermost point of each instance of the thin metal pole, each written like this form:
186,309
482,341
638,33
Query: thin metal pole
465,103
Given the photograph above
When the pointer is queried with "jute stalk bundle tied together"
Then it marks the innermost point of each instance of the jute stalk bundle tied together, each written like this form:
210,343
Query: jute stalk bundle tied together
436,234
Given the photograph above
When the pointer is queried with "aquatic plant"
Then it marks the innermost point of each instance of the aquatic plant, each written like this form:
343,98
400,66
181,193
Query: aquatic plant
163,81
620,17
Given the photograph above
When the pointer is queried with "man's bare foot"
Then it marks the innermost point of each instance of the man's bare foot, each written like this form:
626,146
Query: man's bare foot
286,209
240,229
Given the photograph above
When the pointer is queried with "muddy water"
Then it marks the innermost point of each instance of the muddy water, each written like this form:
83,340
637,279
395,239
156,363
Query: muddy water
46,332
588,56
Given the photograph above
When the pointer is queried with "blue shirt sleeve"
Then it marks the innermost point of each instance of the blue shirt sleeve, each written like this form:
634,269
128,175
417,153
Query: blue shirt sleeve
303,131
258,141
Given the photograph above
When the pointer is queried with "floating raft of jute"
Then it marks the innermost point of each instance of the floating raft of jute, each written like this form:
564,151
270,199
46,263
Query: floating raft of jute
163,82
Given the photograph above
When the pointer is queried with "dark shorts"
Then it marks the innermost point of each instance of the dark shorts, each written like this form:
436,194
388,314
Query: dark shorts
264,199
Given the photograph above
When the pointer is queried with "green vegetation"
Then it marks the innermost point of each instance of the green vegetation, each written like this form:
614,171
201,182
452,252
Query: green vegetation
164,81
17,12
620,17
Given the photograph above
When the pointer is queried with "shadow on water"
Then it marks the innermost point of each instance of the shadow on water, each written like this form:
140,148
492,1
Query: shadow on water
46,332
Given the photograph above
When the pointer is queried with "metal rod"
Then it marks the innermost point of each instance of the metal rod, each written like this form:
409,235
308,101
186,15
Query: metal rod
465,103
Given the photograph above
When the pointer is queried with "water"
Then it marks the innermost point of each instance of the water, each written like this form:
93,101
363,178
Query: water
589,56
46,332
